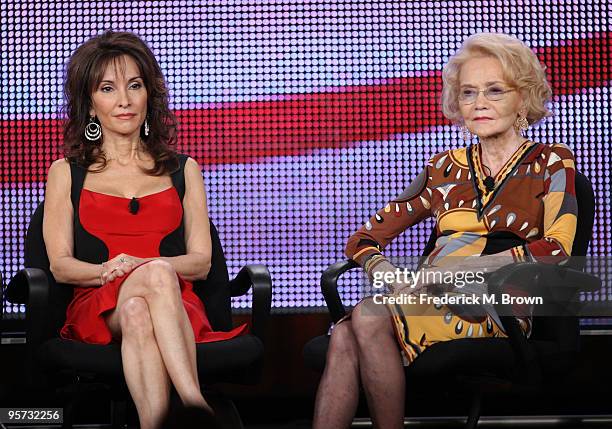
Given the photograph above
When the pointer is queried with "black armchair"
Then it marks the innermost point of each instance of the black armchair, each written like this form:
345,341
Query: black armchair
72,368
499,364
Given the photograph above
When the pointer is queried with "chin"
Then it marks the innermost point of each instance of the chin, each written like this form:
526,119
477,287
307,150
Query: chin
487,133
127,132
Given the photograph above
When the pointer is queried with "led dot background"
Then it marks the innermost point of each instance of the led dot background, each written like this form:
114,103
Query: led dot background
306,116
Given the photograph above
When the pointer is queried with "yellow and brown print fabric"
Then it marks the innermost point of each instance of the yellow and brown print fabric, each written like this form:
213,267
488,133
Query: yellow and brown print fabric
531,210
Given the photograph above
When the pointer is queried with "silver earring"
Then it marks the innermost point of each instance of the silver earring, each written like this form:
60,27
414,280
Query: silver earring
93,130
146,128
465,133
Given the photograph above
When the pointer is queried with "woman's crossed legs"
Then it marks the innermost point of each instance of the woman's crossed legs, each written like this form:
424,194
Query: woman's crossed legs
157,341
362,346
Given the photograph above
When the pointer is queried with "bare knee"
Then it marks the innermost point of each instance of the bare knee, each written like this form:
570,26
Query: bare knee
161,278
370,321
342,341
135,319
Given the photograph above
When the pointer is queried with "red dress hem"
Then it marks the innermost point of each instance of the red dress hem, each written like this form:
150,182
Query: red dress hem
85,321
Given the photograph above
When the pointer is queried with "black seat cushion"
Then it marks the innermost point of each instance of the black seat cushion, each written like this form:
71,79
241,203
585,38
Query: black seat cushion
216,360
315,352
58,354
467,356
234,360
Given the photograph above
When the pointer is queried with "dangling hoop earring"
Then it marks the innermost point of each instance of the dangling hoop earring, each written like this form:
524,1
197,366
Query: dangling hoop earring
93,130
146,128
465,133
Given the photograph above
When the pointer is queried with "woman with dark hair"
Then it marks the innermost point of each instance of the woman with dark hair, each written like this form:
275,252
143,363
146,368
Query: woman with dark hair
133,240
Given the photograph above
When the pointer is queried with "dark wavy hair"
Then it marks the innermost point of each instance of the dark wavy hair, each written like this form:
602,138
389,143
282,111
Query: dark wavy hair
84,73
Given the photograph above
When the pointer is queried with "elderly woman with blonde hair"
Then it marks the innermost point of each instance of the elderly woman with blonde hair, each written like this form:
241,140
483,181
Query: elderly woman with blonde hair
499,200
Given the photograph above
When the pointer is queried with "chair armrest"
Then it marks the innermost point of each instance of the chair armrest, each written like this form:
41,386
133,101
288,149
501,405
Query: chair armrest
17,288
30,286
556,284
258,277
329,287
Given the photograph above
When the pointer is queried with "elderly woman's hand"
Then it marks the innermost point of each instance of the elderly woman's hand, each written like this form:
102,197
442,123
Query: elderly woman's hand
119,266
419,284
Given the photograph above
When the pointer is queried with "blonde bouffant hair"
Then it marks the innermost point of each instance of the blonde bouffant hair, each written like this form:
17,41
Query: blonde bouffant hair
522,70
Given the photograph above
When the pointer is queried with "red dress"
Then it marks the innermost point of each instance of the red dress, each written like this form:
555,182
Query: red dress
108,218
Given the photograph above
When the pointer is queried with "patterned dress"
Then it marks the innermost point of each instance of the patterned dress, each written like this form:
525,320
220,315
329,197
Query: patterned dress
531,211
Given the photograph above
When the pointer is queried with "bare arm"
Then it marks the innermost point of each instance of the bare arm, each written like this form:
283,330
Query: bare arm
58,231
408,209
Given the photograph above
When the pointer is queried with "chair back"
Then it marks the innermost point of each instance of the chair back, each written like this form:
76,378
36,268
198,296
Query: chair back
559,336
214,291
585,200
35,256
